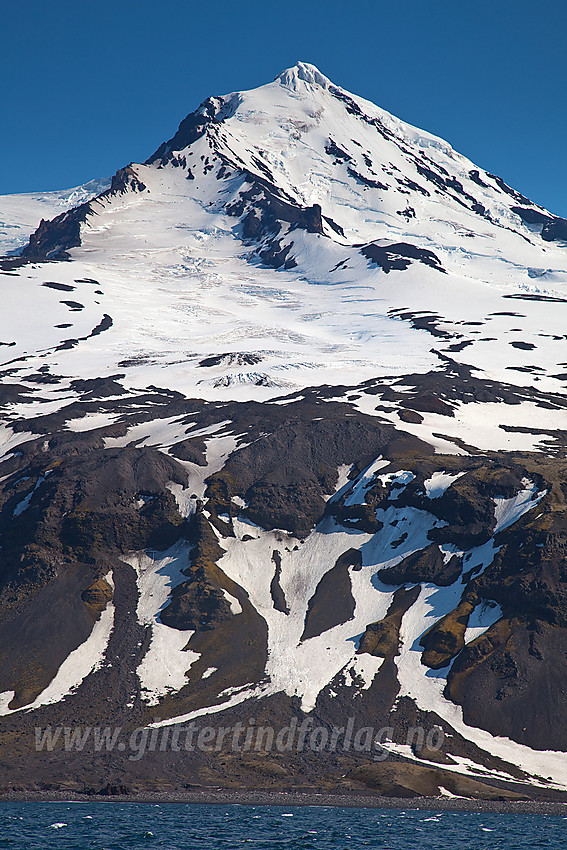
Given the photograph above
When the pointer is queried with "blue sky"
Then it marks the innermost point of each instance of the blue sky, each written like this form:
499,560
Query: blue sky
88,87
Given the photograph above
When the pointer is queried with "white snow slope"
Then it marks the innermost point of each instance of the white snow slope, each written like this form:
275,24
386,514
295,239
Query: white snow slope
21,214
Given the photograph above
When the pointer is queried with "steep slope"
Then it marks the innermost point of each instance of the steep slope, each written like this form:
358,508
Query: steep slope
299,452
21,214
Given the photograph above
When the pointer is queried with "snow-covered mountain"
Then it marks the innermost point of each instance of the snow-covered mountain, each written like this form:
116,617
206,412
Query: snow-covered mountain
284,429
20,215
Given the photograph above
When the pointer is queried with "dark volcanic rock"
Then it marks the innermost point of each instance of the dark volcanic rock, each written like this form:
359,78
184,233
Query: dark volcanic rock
38,636
124,180
426,566
531,216
362,517
368,182
231,359
333,602
555,230
508,190
399,255
194,126
265,213
468,508
199,602
284,475
52,239
193,450
423,321
64,523
276,591
62,287
383,637
333,149
443,641
511,681
528,576
74,512
415,780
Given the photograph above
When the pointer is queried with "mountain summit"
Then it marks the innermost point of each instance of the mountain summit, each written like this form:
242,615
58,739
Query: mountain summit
302,177
303,72
284,437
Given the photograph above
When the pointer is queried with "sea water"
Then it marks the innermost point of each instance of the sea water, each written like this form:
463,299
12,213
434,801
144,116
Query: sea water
128,826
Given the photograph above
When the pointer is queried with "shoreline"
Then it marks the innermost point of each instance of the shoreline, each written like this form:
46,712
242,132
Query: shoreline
296,799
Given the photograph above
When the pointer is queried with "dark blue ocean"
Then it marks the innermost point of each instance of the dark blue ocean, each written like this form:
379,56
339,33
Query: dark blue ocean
128,826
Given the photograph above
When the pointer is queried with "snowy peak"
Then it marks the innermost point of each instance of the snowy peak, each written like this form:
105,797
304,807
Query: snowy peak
309,142
303,72
338,224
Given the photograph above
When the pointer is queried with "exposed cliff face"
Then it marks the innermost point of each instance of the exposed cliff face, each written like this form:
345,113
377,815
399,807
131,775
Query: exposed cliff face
284,441
52,239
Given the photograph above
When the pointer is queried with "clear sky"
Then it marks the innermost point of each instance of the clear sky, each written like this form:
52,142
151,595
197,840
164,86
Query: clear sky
87,87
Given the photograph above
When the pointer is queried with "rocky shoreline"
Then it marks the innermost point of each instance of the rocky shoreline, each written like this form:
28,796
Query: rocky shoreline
291,798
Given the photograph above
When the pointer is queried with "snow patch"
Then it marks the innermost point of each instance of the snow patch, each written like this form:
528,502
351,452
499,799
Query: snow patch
509,511
235,606
439,483
165,664
364,668
482,618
